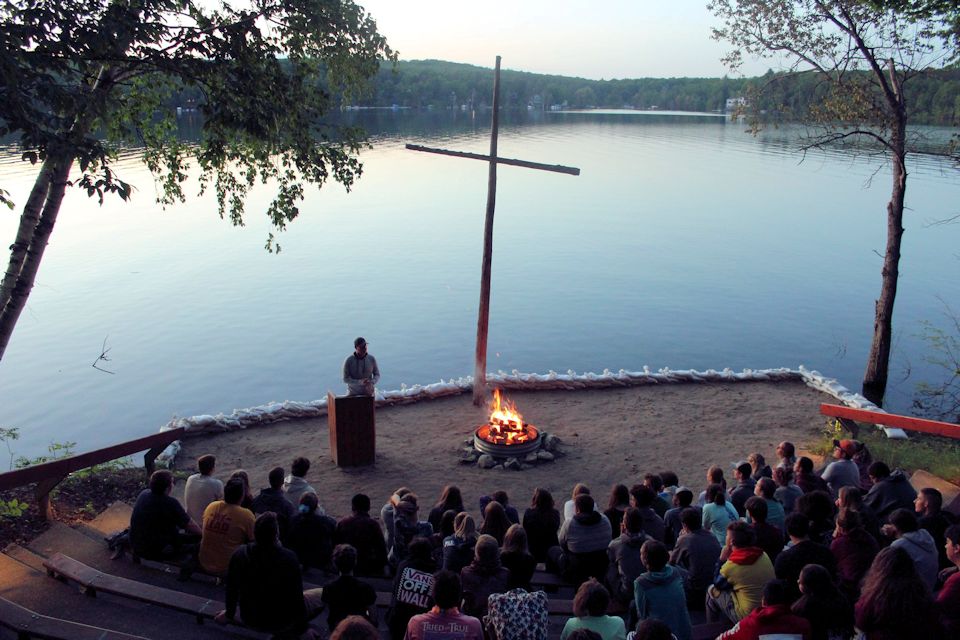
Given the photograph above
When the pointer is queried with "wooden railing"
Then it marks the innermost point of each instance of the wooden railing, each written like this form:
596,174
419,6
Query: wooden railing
846,414
49,474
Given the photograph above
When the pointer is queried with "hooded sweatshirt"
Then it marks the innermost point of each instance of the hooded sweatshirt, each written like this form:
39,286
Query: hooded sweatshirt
660,595
625,564
892,493
746,572
294,487
768,621
585,532
922,549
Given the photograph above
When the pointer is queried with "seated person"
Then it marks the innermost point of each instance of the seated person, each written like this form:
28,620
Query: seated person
917,542
843,471
515,557
411,587
202,488
759,467
929,508
787,490
347,596
264,581
890,491
541,522
655,483
746,485
406,527
590,611
806,479
697,552
584,538
658,593
483,576
495,521
312,534
682,498
623,554
160,528
801,552
226,526
948,598
772,619
295,485
854,550
744,570
444,620
450,500
355,628
364,534
643,498
769,538
501,496
273,499
776,514
458,548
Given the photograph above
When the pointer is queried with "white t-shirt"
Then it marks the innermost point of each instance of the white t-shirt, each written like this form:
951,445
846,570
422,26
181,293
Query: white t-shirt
201,491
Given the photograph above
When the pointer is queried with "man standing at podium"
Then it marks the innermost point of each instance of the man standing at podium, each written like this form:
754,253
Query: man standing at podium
360,372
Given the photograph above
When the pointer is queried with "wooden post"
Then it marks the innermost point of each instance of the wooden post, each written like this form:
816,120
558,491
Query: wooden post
483,315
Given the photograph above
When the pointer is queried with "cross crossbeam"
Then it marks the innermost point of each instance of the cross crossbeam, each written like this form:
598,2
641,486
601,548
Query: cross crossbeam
557,168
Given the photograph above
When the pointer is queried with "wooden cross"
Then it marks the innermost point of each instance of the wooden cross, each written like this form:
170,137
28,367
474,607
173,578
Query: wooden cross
483,316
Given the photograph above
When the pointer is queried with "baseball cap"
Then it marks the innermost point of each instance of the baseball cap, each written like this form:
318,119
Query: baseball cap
359,341
849,447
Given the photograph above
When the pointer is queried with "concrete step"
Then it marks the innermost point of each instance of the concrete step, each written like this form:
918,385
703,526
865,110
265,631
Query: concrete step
94,552
34,590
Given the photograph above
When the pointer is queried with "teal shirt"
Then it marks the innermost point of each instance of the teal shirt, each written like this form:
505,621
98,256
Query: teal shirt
609,627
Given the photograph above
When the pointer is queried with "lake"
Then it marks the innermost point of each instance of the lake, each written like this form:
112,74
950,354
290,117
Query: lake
684,243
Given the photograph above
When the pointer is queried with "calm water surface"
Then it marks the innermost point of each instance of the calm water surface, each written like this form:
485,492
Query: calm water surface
684,243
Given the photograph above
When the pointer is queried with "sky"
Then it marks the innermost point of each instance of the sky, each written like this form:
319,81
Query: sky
602,39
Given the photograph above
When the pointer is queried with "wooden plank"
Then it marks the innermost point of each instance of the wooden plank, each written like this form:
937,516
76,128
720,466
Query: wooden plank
64,466
27,624
556,168
94,581
923,425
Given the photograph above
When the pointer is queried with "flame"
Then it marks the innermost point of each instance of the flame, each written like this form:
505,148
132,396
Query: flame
506,423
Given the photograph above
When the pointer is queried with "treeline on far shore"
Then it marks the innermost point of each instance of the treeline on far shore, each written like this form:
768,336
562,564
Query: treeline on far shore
934,97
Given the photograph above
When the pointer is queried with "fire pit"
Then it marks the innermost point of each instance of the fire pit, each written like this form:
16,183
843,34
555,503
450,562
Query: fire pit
506,435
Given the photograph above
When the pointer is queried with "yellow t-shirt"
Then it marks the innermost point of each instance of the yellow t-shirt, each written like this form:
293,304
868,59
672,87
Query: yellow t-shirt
225,527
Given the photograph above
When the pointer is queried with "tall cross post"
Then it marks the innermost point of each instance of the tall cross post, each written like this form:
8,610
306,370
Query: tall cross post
483,314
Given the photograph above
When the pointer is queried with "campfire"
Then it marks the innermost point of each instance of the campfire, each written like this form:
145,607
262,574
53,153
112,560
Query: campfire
506,434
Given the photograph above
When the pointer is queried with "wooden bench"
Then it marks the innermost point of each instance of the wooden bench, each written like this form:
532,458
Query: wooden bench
27,624
92,581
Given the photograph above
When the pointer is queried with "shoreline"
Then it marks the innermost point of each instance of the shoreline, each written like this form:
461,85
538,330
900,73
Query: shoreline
289,410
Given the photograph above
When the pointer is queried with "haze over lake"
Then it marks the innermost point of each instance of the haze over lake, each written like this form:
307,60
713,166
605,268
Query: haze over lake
684,243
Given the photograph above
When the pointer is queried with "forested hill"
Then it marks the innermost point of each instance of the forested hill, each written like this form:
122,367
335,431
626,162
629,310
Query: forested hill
934,98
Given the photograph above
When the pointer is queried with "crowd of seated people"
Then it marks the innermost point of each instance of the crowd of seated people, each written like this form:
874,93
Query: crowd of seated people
788,550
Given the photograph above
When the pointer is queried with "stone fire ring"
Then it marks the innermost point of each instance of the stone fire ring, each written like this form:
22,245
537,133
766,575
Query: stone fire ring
486,455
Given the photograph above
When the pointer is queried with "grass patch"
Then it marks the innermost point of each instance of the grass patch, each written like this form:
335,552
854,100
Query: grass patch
935,454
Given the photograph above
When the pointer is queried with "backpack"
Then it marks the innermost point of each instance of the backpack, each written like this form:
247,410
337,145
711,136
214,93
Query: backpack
517,615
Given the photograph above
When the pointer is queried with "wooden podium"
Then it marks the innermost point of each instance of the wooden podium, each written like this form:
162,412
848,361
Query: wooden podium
352,430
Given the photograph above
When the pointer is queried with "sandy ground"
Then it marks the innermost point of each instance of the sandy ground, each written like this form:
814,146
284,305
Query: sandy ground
610,436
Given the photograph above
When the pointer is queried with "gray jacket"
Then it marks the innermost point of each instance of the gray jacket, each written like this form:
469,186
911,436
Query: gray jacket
922,549
625,564
585,532
355,370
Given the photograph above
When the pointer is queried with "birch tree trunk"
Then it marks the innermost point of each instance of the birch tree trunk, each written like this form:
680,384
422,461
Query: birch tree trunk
57,170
